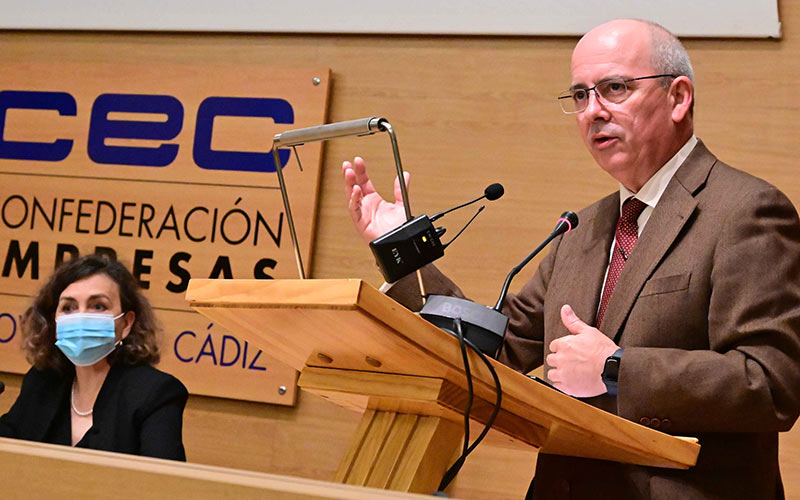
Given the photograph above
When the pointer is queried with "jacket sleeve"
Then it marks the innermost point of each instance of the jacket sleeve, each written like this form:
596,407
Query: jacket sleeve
406,289
33,409
748,380
161,431
9,422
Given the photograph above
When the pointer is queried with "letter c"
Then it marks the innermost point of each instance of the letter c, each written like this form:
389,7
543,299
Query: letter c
178,339
42,151
278,109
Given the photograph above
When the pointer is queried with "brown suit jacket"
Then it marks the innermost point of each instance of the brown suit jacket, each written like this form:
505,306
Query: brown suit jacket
708,311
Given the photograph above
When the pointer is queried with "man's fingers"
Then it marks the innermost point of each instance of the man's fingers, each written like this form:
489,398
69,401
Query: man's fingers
353,192
354,204
349,179
362,179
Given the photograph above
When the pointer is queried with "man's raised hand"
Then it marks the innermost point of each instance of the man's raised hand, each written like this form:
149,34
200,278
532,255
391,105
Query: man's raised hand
372,215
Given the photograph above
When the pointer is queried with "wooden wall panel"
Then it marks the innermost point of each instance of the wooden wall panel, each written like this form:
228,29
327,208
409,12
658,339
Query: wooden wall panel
468,111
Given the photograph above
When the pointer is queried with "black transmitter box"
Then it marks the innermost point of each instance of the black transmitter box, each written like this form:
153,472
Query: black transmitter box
407,248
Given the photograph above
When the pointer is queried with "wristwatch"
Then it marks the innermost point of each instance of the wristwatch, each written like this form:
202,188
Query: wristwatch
611,372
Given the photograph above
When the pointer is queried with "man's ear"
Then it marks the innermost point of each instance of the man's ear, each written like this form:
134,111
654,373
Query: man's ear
681,95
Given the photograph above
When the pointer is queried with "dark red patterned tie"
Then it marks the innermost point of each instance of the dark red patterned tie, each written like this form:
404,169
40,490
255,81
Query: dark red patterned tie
626,235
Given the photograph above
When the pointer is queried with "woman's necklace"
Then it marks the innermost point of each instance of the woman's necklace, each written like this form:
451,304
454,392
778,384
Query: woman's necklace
74,408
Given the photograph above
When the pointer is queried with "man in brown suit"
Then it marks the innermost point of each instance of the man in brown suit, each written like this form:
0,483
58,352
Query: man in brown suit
700,309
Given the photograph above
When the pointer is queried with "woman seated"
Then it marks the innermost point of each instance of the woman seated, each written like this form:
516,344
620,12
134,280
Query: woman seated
91,338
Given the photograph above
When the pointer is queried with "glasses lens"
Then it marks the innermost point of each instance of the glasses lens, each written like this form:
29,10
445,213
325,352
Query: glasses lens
573,101
614,91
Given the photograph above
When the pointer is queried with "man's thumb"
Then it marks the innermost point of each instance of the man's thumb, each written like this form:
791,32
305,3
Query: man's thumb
570,319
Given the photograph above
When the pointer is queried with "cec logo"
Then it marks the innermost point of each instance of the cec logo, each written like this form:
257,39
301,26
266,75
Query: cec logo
102,128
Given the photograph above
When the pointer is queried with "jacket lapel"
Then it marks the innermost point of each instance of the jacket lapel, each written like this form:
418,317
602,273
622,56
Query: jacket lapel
665,224
588,270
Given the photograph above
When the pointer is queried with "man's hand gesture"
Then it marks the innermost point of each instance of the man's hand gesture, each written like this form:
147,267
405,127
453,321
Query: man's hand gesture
372,215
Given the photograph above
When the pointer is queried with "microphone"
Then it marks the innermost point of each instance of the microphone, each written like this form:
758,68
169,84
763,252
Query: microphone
494,191
482,325
416,242
491,193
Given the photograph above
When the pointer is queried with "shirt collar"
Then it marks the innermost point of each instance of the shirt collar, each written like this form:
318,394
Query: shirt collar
655,186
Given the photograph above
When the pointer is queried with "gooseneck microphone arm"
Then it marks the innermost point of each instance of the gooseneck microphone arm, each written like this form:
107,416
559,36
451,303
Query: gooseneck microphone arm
567,222
499,305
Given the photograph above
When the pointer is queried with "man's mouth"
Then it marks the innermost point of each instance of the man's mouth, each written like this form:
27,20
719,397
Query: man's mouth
603,141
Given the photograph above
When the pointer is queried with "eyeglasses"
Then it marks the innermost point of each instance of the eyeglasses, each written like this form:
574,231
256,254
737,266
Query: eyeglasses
614,91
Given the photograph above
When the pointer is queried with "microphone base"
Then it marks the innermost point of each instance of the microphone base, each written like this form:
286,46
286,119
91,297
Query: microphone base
481,325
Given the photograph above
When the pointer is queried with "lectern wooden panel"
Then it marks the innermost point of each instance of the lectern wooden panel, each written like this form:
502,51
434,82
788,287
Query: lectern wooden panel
37,470
365,351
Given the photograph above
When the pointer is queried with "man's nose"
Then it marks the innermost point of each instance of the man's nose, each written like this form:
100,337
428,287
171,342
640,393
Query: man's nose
594,107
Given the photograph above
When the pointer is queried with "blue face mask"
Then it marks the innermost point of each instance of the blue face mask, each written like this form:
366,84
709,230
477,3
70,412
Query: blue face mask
86,338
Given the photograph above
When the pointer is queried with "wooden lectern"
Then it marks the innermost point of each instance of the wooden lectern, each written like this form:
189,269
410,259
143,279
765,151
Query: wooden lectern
362,350
41,470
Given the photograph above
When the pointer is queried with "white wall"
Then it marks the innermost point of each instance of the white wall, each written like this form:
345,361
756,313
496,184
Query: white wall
705,18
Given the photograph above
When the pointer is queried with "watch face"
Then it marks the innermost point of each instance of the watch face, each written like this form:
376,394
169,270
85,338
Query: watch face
611,370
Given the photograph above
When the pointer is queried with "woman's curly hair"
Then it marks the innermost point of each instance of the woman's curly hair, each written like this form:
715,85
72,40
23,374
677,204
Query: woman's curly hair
140,347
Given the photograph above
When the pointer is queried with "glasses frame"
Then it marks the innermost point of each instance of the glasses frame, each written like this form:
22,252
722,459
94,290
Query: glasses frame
568,94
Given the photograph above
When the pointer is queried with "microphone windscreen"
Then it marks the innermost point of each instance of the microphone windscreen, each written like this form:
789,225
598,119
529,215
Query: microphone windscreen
494,191
572,217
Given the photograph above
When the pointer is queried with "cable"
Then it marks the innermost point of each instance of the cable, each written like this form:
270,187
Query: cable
470,390
456,466
465,226
498,401
467,449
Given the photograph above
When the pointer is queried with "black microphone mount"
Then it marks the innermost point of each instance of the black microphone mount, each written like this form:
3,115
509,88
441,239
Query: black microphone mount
416,243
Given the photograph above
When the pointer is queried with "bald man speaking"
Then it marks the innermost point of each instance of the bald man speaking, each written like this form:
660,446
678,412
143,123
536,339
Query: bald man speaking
675,304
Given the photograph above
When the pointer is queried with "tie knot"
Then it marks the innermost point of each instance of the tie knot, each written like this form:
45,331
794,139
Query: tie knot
631,210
